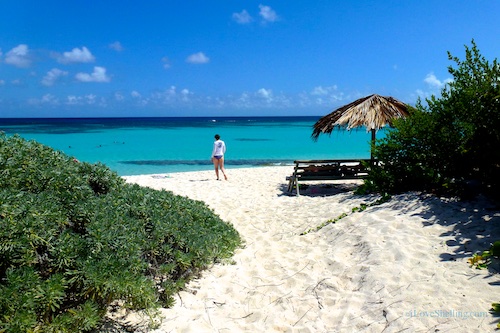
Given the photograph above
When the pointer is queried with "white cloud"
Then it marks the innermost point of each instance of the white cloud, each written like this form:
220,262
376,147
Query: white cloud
52,76
198,58
421,93
18,56
433,81
169,96
434,85
172,91
268,14
77,55
165,95
323,96
243,17
265,93
49,98
117,46
72,100
138,99
89,99
2,82
185,93
99,75
320,90
317,99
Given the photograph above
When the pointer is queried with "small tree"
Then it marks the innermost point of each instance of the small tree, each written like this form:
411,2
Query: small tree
473,99
450,142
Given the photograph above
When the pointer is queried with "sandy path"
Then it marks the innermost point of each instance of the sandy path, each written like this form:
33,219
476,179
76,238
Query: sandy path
396,267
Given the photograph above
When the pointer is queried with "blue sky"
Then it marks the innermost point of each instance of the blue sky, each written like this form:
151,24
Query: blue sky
228,57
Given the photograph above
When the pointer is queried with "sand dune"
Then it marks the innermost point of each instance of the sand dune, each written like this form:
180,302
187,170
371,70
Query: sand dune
396,267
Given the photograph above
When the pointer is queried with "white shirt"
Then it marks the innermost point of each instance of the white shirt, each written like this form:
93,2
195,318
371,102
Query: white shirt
219,148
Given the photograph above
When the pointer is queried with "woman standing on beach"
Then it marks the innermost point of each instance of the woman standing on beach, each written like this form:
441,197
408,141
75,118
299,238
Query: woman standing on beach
218,156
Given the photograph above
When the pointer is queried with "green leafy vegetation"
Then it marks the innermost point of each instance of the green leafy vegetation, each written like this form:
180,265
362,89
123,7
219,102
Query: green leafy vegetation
495,309
324,224
450,145
482,260
75,238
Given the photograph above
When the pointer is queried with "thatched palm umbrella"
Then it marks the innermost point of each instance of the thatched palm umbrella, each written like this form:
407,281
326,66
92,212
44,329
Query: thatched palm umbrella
373,112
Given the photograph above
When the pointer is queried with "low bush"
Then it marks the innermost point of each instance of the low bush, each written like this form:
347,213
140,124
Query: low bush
75,237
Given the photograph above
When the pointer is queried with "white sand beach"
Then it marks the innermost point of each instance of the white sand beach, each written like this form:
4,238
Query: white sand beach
396,267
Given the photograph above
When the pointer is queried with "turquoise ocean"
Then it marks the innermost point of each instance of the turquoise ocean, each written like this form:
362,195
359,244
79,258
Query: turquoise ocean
132,146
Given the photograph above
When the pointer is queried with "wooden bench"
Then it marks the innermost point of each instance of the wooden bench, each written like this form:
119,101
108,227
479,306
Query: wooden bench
314,170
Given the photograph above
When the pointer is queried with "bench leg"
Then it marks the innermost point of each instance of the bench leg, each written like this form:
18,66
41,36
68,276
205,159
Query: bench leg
290,184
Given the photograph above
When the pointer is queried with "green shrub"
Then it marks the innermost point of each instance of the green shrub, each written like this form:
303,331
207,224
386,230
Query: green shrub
75,237
451,144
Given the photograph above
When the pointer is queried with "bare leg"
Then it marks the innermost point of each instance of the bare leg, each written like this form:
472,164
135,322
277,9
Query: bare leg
221,164
216,167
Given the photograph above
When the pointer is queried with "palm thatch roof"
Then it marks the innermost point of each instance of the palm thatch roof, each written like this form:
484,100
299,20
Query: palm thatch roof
373,112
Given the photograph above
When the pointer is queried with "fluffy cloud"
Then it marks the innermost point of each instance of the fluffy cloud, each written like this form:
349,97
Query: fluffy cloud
433,81
265,93
434,85
99,75
243,17
52,76
185,93
18,56
198,58
268,14
77,55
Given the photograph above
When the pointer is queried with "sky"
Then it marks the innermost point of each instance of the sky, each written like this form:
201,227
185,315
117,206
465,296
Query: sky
165,58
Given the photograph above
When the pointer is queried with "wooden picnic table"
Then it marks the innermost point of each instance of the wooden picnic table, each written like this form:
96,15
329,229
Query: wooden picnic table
316,170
